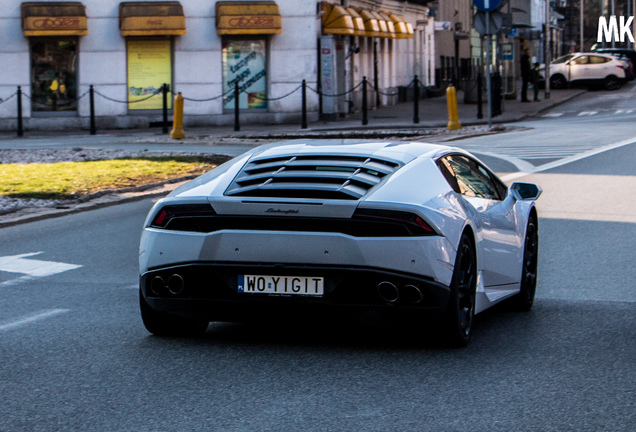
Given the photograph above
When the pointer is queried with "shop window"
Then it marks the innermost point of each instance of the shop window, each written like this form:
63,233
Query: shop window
245,63
53,74
149,68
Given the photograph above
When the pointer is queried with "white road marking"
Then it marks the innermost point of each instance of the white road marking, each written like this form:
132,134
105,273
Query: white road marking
17,281
32,318
32,267
567,160
587,113
553,115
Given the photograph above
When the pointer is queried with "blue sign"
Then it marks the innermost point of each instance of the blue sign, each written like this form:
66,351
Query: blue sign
512,33
486,5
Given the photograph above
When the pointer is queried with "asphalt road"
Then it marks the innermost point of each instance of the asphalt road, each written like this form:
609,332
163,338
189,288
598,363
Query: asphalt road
75,355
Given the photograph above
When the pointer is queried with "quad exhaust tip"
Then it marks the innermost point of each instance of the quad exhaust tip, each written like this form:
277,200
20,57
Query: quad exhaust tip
408,294
175,285
388,292
158,286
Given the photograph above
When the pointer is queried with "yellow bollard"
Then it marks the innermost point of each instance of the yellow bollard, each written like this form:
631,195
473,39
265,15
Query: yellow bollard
177,122
453,116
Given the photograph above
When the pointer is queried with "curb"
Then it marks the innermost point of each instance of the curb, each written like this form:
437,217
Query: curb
97,200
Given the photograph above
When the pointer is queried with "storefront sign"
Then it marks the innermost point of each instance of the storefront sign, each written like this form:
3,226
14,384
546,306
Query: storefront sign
149,67
51,26
244,63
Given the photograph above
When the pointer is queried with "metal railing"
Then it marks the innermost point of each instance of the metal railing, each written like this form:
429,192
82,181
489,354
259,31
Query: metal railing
228,96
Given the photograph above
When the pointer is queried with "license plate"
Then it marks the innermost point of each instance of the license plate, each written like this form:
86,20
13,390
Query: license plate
281,285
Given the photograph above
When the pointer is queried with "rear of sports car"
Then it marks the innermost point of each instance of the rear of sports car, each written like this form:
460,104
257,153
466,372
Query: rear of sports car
295,234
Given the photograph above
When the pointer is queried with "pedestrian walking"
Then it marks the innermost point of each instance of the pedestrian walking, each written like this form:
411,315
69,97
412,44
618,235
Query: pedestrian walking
535,81
526,75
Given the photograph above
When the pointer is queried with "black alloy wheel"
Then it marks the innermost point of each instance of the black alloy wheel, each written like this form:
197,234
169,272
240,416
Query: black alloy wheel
162,324
557,82
460,313
525,299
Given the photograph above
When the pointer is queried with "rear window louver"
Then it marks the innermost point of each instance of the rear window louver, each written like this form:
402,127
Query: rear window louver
311,176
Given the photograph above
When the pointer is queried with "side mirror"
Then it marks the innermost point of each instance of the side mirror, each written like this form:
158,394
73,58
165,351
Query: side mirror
525,191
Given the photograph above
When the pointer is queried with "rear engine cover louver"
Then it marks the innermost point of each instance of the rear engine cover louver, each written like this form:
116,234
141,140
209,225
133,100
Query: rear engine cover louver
311,176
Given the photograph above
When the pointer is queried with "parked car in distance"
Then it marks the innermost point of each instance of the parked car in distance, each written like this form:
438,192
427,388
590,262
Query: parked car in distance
629,53
320,228
588,69
629,66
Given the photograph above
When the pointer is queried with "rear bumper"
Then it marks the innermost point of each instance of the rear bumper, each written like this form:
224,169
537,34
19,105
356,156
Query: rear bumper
210,292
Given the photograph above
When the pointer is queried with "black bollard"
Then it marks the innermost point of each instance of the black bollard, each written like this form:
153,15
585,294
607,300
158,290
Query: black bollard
365,118
303,124
164,90
20,129
92,102
237,125
480,112
416,100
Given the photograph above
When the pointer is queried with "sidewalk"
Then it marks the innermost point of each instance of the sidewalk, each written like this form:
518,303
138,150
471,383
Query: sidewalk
392,120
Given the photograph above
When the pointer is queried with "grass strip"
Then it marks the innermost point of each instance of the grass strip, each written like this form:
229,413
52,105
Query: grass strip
69,180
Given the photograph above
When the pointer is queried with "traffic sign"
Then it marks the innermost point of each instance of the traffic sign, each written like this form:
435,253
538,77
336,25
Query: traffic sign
494,19
486,5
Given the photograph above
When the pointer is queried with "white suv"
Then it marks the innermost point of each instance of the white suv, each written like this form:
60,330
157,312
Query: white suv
586,68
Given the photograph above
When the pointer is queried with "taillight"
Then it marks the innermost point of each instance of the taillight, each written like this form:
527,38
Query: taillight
412,222
620,66
169,212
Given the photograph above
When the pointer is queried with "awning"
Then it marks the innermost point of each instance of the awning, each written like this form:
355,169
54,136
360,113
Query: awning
401,29
389,24
336,20
151,19
409,28
247,17
54,19
358,23
384,29
371,26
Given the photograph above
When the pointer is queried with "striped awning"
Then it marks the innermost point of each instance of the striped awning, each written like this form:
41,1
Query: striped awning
151,19
336,20
54,19
247,17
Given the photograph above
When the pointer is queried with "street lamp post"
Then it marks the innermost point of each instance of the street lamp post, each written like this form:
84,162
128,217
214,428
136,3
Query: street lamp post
582,22
547,49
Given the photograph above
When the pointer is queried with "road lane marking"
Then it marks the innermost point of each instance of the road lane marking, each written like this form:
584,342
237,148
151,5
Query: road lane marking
32,318
34,268
553,115
567,160
587,113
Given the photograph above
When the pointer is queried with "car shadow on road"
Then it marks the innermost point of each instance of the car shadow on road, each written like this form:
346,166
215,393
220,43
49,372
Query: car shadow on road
365,333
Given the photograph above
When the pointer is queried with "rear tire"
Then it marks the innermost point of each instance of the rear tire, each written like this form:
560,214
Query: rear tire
611,82
162,324
460,312
528,285
557,82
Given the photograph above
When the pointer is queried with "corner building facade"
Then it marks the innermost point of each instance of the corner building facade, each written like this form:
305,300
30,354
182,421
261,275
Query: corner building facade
55,51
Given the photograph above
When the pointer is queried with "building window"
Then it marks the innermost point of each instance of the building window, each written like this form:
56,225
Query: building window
53,74
245,63
149,68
